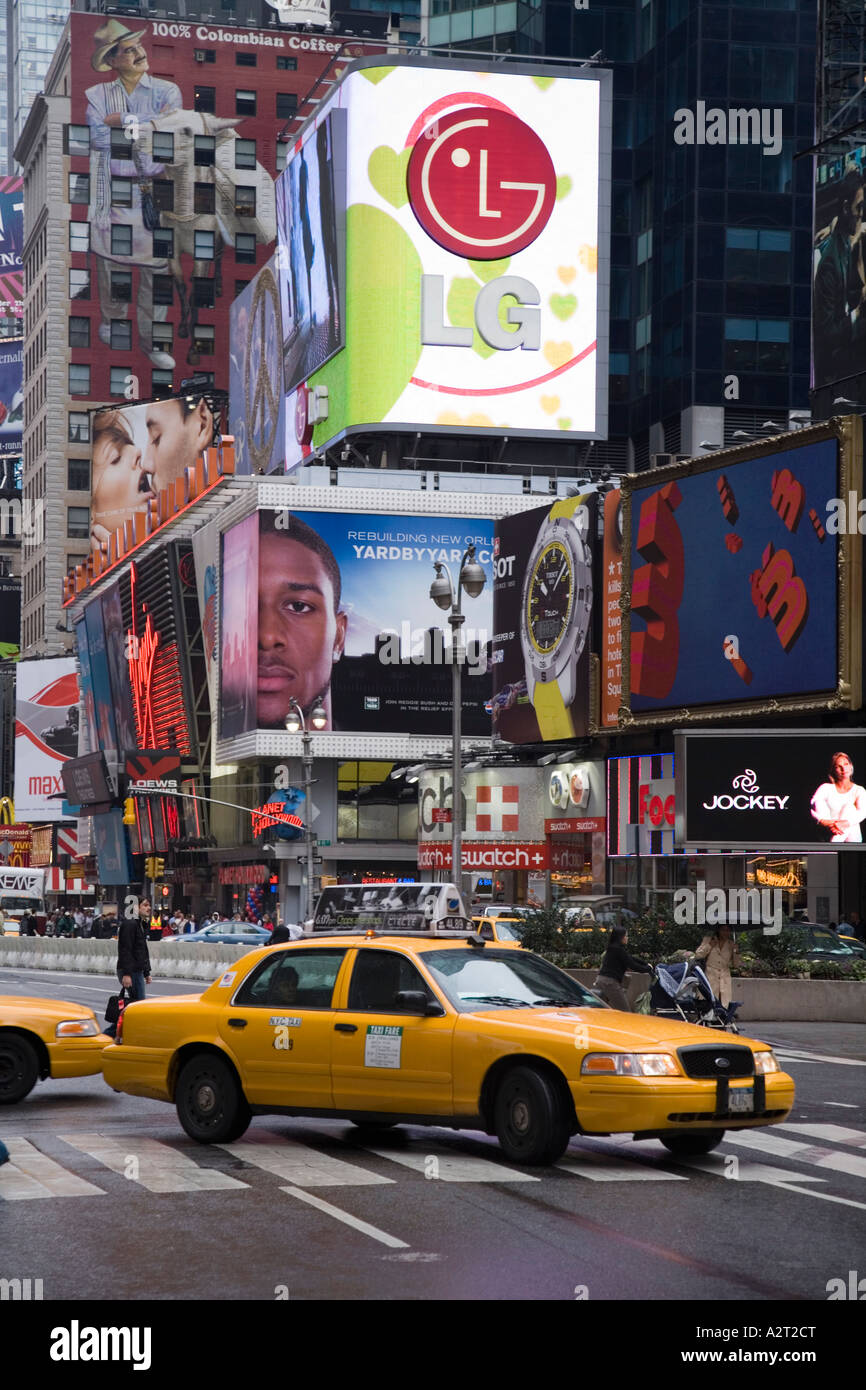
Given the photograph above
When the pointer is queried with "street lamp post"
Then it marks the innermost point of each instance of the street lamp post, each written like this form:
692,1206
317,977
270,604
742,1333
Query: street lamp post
472,578
295,722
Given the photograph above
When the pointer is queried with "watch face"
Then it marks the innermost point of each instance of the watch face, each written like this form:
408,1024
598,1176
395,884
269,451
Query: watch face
549,597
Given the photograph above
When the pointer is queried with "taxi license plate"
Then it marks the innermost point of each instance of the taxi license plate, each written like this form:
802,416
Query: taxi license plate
741,1100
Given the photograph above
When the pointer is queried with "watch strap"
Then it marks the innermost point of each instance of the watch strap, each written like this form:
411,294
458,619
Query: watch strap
554,720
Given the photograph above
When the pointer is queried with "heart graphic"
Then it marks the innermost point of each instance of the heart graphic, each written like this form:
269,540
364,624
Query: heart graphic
566,273
542,83
387,173
558,354
563,305
488,270
588,257
563,186
376,75
564,424
549,404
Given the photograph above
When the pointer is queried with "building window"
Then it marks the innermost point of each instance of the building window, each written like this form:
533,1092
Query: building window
79,379
79,188
161,384
245,248
287,64
78,475
245,103
163,147
73,561
163,194
121,193
204,198
203,246
287,105
79,332
205,99
163,243
121,286
118,380
78,523
282,155
757,256
121,145
77,140
205,55
79,427
121,241
245,201
245,154
79,284
203,338
203,292
761,345
204,150
245,60
163,289
121,334
240,286
162,337
79,236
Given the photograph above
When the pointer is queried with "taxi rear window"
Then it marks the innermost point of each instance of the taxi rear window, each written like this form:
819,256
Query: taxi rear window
304,979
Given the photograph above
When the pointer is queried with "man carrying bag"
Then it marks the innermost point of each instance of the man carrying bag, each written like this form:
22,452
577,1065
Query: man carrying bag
133,959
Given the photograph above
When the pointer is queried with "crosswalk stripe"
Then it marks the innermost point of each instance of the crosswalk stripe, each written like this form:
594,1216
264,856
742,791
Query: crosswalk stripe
298,1164
153,1165
804,1153
747,1169
346,1217
30,1174
445,1166
599,1168
796,1055
836,1134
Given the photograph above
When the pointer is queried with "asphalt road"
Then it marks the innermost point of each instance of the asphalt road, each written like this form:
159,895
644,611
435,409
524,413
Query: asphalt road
106,1198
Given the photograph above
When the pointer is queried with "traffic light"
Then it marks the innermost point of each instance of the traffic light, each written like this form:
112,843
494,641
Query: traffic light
158,867
129,811
166,891
153,867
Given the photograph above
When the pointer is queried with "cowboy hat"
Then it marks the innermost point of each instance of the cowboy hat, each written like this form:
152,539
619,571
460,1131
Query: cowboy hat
108,36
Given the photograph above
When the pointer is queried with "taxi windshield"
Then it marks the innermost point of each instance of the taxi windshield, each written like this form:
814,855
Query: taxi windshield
490,979
508,930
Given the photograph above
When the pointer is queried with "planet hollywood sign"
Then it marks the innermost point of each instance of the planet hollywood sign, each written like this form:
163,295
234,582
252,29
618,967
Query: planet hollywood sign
485,856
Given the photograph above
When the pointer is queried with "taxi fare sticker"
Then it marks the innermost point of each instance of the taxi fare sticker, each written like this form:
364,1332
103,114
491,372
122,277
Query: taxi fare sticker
382,1047
283,1021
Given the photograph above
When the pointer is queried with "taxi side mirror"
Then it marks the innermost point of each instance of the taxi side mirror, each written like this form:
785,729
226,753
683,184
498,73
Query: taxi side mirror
415,1001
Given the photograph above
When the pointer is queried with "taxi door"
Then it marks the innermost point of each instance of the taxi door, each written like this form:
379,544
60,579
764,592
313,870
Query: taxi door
384,1058
279,1025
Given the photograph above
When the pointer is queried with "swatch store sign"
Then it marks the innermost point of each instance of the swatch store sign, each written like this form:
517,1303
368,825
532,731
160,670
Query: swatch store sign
502,813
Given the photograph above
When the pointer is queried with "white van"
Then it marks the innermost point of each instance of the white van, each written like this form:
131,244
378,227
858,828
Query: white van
392,907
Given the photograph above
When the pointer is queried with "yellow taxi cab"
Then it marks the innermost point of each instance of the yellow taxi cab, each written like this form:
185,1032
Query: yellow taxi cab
505,930
437,1028
45,1037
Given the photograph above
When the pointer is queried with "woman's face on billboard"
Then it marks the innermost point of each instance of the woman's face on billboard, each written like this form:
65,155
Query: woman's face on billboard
120,485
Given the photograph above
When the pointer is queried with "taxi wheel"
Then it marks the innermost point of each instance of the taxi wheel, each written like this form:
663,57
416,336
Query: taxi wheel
692,1145
528,1115
19,1068
210,1104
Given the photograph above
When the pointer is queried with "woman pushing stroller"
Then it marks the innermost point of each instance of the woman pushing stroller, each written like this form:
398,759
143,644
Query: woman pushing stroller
617,961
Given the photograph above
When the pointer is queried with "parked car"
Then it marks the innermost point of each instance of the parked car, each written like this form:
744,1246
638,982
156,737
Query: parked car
225,933
603,910
813,941
504,930
45,1037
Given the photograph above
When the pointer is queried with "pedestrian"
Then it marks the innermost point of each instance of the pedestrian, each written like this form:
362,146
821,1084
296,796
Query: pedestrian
133,958
78,918
65,924
831,926
719,952
279,936
2,922
28,923
609,982
857,928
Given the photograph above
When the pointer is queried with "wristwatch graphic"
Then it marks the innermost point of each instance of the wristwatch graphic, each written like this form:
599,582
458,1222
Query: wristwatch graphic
555,612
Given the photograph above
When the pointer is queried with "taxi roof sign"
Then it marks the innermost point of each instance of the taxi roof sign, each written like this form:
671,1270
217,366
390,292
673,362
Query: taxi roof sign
396,908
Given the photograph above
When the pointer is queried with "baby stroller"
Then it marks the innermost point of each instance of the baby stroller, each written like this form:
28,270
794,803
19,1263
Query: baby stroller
681,990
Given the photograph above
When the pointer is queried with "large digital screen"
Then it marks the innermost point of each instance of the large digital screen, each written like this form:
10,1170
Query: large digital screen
542,618
341,614
46,734
477,264
839,273
11,396
11,246
778,789
733,574
257,398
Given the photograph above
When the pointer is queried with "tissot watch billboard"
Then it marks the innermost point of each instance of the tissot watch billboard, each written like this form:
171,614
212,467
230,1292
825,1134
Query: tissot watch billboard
771,789
542,617
477,220
335,608
742,581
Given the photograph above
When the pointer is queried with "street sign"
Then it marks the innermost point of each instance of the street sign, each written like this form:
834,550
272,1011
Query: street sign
324,842
441,817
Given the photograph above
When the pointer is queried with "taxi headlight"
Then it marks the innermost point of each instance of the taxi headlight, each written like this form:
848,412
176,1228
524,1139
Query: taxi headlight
765,1062
76,1028
629,1064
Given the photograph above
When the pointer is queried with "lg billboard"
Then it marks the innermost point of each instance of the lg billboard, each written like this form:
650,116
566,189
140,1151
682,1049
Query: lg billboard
474,295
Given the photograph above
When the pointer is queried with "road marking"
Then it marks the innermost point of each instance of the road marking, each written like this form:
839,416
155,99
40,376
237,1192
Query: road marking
298,1164
150,1163
348,1220
836,1134
747,1170
30,1174
444,1166
599,1168
803,1153
791,1054
841,1105
823,1196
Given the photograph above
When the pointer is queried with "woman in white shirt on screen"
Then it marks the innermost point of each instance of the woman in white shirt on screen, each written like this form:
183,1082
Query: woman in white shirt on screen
840,804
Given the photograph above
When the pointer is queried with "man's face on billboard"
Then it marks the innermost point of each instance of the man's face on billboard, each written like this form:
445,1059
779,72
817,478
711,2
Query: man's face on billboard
300,635
129,58
175,439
